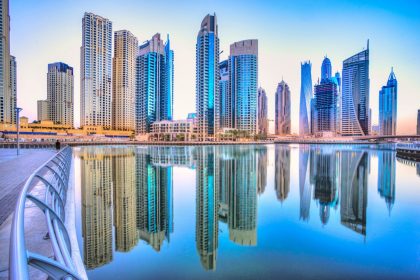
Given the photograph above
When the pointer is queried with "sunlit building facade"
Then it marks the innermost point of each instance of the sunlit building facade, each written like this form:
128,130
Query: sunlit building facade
6,100
123,80
42,110
388,106
282,109
355,95
96,71
154,84
13,89
262,112
305,98
60,93
207,79
243,84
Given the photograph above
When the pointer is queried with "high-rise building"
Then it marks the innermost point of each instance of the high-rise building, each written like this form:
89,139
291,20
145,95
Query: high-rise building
243,79
418,122
326,69
96,72
305,98
282,117
225,96
337,79
60,93
13,88
154,84
42,106
388,106
123,80
6,105
207,78
262,112
325,112
355,95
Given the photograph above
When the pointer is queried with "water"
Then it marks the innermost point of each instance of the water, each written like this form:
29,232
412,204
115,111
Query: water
275,211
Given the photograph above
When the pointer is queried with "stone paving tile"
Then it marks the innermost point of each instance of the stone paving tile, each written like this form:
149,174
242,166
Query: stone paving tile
14,170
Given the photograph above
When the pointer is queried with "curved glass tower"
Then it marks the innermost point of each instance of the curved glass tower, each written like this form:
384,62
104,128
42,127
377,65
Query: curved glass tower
207,78
355,95
305,98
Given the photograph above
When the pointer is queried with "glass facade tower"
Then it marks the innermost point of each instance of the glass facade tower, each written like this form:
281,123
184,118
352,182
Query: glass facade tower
355,95
243,79
225,96
388,106
6,103
154,84
305,98
262,112
207,78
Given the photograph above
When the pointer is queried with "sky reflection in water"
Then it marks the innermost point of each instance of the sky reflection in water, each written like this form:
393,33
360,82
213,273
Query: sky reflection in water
247,211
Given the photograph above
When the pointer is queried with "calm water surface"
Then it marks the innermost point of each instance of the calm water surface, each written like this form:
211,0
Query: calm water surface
275,211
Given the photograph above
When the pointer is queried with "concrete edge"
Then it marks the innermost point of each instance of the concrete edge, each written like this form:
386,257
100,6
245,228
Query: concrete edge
70,224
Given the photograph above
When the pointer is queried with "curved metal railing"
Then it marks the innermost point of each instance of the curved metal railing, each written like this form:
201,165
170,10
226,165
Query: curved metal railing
54,176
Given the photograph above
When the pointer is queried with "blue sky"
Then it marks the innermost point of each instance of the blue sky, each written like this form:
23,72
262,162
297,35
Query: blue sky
289,32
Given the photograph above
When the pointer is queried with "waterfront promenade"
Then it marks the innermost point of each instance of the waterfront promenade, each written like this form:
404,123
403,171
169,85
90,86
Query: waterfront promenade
14,170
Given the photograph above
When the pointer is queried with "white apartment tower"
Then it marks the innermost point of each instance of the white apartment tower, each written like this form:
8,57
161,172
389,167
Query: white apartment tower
60,93
96,73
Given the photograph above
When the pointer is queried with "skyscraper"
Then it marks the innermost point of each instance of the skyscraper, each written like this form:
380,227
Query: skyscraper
326,69
42,110
60,93
225,96
305,98
154,84
243,79
262,112
355,95
282,117
96,73
123,80
388,106
13,88
418,122
207,78
337,79
325,106
6,106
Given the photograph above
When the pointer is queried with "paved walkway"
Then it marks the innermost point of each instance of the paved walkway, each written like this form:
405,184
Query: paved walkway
14,170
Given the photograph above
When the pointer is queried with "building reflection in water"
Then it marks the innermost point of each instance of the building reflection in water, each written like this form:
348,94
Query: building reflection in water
96,186
324,176
207,198
305,188
282,172
242,219
125,204
134,186
386,177
354,174
262,159
154,198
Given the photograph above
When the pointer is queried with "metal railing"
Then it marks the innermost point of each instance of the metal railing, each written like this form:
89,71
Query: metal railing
54,176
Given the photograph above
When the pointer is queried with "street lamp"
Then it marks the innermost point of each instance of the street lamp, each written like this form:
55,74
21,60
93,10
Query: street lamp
17,127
